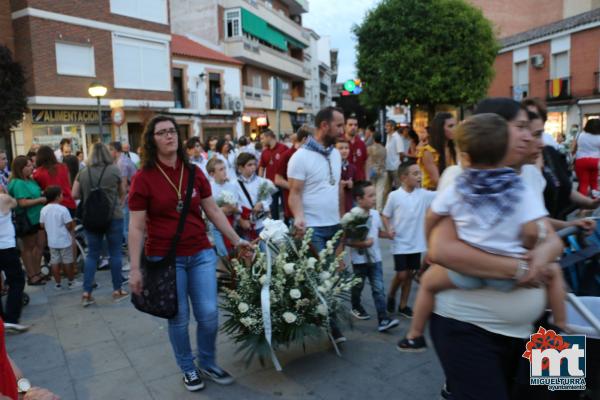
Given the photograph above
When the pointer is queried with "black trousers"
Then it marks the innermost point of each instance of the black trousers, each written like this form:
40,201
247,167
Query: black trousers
15,280
483,365
277,199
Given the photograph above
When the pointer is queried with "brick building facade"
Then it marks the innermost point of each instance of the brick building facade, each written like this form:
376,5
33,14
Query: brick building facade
558,62
64,46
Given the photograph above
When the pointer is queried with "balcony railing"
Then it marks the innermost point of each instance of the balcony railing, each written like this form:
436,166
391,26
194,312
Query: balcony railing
519,92
597,80
558,89
251,92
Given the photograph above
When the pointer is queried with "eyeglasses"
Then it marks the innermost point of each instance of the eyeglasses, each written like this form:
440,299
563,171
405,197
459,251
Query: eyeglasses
165,132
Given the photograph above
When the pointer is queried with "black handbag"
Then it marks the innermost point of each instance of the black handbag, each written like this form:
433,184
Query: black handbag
23,225
159,278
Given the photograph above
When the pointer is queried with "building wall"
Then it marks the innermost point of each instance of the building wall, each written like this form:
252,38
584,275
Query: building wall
7,37
199,19
502,81
515,16
574,7
538,77
585,61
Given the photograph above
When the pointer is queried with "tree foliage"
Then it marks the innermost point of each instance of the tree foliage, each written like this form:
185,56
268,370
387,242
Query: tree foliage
13,102
427,51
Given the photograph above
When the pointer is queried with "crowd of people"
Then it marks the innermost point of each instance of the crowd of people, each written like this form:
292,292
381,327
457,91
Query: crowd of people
470,210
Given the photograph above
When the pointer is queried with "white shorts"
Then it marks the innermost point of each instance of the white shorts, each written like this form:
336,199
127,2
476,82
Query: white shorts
61,256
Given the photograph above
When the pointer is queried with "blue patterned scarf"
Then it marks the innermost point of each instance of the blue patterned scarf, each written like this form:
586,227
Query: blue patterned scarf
491,194
312,145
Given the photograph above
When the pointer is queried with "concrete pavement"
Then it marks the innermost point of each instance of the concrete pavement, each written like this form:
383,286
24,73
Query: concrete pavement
111,351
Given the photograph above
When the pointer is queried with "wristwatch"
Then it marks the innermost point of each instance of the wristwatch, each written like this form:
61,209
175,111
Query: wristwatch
24,385
522,270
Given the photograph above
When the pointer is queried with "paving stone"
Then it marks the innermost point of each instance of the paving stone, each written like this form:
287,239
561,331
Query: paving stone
95,359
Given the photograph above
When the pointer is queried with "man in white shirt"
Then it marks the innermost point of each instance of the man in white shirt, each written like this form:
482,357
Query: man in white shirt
393,150
133,156
314,175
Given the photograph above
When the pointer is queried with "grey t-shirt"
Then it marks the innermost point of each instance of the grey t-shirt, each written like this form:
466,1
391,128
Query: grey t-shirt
110,184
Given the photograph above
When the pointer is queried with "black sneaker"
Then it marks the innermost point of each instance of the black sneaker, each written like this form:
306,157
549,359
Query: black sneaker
192,381
338,336
415,345
406,312
386,324
391,305
360,313
218,375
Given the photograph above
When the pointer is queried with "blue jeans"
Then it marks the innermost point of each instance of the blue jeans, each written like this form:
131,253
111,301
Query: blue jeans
196,280
114,237
322,234
373,272
219,242
126,219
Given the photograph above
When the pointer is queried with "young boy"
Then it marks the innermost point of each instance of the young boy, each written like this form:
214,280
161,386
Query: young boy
494,211
218,183
404,218
59,226
348,172
368,264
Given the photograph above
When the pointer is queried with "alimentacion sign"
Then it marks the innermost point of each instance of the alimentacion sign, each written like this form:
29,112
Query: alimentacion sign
45,116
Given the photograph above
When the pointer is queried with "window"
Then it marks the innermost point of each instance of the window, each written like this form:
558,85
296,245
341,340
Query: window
178,87
232,23
521,73
149,10
214,90
560,65
141,64
257,81
75,59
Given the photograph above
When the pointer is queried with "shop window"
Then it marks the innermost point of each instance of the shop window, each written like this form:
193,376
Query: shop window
149,10
215,91
75,59
141,64
178,92
232,23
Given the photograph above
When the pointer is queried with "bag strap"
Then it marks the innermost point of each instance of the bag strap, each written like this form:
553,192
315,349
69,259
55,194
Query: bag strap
99,180
246,193
186,206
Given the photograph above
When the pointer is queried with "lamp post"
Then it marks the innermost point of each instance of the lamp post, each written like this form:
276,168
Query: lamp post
98,91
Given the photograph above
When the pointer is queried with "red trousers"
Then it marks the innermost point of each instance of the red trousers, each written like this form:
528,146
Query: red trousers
586,170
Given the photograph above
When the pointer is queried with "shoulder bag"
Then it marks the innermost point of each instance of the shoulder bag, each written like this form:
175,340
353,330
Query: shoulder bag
159,278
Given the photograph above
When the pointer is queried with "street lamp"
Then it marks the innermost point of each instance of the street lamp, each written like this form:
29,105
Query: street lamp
98,91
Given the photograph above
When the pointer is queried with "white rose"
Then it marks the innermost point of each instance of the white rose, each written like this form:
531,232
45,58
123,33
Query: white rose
322,289
274,230
322,309
289,317
288,268
246,321
310,263
357,211
262,279
324,275
243,307
295,294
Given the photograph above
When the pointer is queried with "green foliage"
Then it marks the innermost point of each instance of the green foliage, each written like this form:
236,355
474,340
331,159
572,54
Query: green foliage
427,51
13,102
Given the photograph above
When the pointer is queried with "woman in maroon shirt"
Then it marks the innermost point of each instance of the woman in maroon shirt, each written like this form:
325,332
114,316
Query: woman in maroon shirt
50,172
156,190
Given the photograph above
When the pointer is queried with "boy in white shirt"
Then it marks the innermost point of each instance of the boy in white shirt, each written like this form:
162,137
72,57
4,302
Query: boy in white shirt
219,185
59,226
367,263
254,210
494,211
404,218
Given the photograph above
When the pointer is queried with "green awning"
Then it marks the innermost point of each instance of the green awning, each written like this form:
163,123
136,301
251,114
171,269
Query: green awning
295,43
258,27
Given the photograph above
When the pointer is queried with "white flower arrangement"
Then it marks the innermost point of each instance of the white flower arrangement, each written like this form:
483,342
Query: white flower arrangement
265,190
306,293
226,198
274,230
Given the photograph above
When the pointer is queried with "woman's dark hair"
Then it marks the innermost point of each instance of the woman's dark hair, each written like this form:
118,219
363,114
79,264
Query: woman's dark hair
220,144
438,140
149,151
191,142
243,159
31,155
592,126
72,163
377,137
243,141
16,168
413,136
45,158
51,193
210,139
503,106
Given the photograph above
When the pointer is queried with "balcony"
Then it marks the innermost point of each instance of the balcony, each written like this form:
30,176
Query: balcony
519,92
253,53
558,89
274,17
256,97
597,81
324,88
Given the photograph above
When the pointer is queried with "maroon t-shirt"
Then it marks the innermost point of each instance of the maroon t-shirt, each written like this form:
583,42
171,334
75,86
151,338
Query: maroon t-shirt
282,170
358,157
269,159
348,172
151,192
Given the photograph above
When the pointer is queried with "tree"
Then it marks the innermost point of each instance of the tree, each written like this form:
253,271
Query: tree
13,102
425,51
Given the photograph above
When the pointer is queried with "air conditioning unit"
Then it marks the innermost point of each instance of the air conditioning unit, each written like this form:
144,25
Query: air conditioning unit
235,104
537,60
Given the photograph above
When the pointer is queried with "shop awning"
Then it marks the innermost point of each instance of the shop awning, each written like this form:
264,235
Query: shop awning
286,122
258,27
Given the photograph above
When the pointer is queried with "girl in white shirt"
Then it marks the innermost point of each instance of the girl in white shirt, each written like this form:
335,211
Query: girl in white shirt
254,210
587,157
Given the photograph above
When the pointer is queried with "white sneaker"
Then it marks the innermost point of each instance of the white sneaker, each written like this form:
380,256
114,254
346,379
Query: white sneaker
15,328
74,284
126,267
